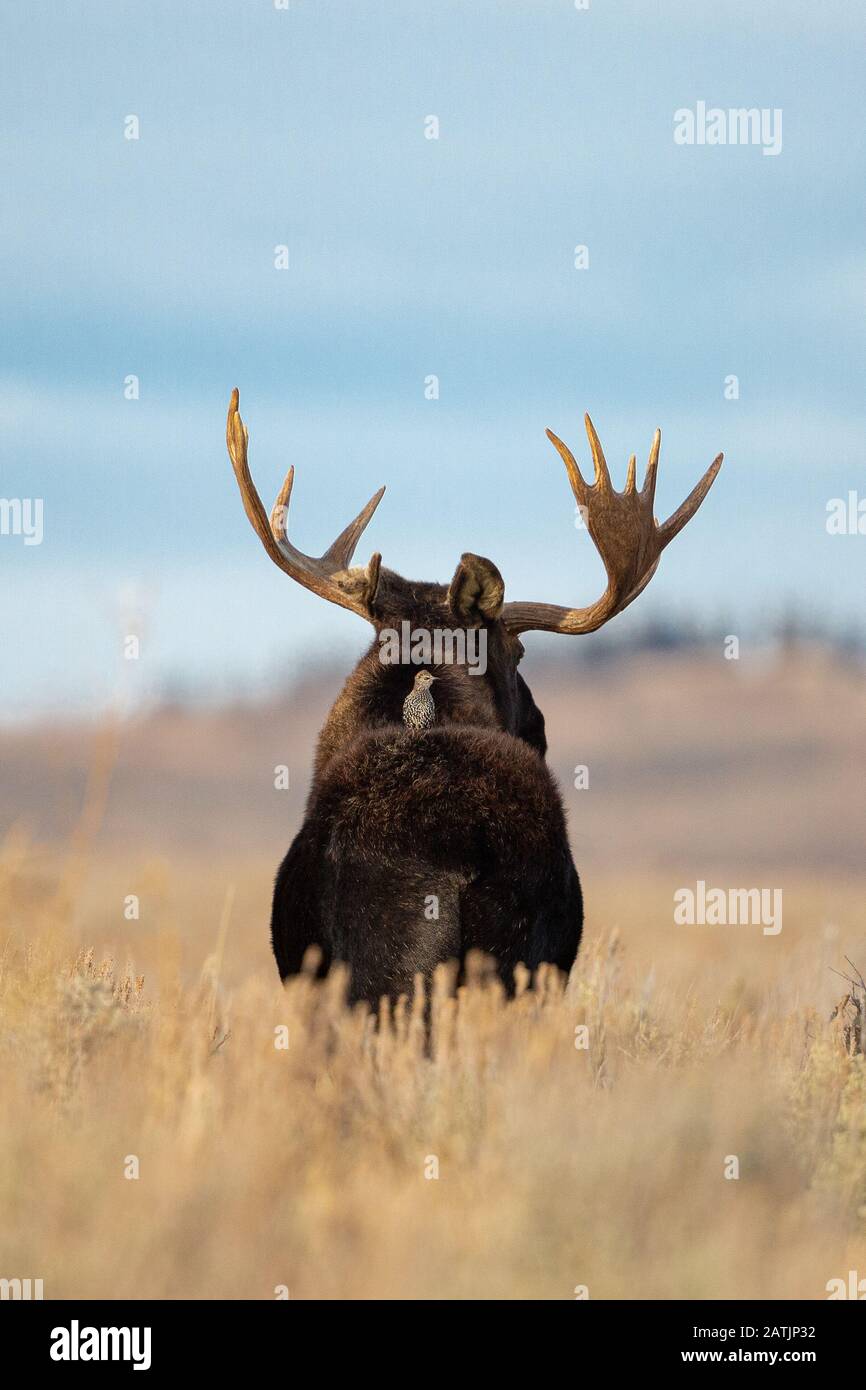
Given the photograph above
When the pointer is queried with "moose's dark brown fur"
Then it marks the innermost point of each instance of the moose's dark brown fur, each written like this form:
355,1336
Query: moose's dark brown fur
418,847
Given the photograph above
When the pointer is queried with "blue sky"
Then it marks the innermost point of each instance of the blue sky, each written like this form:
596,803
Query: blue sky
411,257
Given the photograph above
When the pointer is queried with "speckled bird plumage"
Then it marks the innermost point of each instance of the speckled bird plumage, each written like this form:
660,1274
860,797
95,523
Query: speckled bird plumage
419,711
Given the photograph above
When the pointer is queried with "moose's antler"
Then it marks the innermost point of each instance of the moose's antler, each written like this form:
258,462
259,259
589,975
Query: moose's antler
330,575
625,533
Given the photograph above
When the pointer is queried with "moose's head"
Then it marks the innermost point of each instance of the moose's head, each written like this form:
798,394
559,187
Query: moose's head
622,526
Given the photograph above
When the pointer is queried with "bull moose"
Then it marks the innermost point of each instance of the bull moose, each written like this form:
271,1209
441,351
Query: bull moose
418,847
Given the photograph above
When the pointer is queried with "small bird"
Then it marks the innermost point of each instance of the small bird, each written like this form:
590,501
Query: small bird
419,711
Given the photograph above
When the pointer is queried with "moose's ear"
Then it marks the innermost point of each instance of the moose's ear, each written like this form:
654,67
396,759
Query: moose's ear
477,591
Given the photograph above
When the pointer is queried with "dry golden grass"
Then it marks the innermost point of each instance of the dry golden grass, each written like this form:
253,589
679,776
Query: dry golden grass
558,1166
307,1167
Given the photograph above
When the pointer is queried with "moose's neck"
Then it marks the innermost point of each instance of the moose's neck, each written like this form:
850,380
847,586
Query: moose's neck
373,695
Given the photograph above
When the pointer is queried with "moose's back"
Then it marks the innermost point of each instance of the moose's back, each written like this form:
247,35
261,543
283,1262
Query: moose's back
419,847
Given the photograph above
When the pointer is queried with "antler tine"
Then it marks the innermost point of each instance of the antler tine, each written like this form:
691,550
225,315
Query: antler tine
578,484
649,483
329,575
625,534
686,510
280,509
338,555
344,546
237,439
602,477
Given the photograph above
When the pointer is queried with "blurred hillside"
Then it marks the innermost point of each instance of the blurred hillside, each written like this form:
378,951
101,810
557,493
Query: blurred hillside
695,763
744,773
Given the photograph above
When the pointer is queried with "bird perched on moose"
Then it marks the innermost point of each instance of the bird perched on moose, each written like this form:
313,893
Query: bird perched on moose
418,850
419,709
